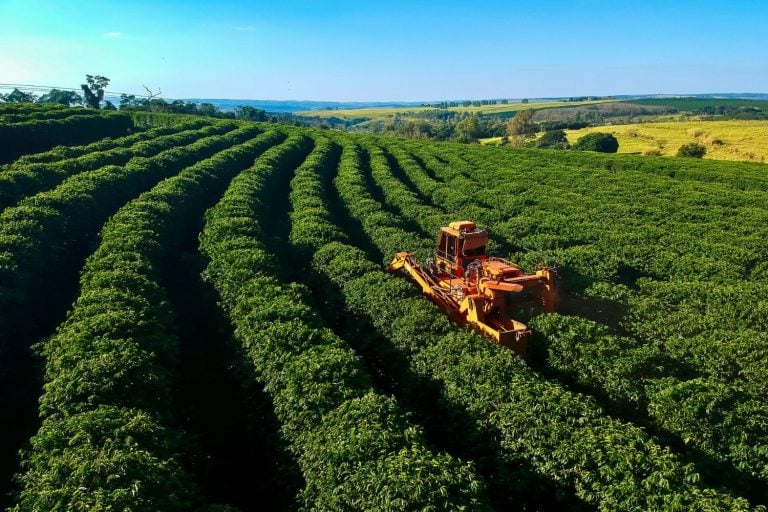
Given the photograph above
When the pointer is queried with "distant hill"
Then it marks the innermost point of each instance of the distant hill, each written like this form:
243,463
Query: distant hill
303,106
299,106
292,106
757,96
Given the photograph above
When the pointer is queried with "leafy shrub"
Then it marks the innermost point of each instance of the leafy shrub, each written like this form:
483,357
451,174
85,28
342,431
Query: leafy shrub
474,373
555,139
601,142
318,385
103,444
109,458
36,136
26,179
692,150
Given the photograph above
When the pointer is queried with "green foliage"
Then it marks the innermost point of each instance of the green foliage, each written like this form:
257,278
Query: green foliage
554,139
48,114
624,369
468,129
692,150
35,136
319,386
600,142
108,368
695,104
26,177
43,237
476,374
522,123
66,152
93,90
67,98
250,114
673,252
105,459
17,96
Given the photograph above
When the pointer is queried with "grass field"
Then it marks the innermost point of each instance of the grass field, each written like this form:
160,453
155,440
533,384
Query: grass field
725,140
689,104
386,112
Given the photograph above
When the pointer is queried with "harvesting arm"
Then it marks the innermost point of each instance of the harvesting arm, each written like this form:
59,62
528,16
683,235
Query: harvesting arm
473,288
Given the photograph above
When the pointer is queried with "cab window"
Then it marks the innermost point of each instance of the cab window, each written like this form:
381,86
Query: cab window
450,248
474,252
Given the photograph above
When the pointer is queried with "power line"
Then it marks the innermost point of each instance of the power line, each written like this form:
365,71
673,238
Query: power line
48,88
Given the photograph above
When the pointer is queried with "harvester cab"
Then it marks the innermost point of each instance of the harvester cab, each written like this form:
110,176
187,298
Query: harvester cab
472,287
459,244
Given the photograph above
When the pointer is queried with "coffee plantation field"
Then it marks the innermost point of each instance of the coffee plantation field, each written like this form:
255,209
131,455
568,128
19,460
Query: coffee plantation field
195,314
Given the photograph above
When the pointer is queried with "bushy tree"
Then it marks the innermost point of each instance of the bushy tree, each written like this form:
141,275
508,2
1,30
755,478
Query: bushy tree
554,139
67,98
250,113
93,90
468,129
598,141
522,123
17,96
130,101
692,150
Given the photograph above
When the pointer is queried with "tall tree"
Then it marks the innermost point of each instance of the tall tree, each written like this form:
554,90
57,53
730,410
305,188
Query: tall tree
468,129
17,96
67,98
250,113
522,123
93,90
131,101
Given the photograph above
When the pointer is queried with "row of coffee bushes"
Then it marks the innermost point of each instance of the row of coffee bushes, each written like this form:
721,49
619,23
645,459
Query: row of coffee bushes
22,180
565,436
634,375
105,442
356,448
64,152
35,136
45,238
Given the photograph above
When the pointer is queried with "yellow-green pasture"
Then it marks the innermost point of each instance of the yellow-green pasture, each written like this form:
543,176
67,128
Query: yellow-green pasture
724,140
384,112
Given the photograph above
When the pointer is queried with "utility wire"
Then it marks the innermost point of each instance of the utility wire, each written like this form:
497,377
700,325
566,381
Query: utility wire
48,88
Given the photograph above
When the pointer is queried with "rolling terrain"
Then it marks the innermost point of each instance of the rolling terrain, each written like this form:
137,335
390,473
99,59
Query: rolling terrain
725,140
388,112
182,296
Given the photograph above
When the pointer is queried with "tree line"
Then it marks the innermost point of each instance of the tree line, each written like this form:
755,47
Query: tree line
94,97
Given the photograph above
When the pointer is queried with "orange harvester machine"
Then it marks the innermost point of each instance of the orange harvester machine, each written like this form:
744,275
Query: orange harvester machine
473,288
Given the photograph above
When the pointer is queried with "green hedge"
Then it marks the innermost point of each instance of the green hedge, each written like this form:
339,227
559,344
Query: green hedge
355,447
33,115
636,377
45,238
64,152
564,436
104,444
35,136
23,180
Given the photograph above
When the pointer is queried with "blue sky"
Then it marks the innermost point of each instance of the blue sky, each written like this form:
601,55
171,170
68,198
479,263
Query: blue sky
363,50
